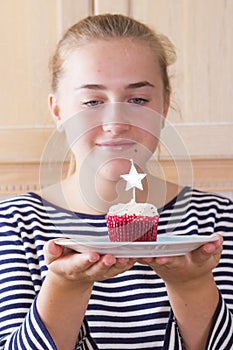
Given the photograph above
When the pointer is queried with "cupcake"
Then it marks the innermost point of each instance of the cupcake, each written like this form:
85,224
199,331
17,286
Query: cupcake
132,222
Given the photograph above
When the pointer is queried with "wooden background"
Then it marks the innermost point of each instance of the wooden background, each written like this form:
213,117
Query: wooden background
202,112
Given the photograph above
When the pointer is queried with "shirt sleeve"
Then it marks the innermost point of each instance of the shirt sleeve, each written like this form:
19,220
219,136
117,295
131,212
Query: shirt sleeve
221,331
220,336
33,335
20,280
173,339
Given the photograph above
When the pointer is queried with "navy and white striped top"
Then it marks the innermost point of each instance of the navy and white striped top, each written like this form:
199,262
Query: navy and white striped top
129,311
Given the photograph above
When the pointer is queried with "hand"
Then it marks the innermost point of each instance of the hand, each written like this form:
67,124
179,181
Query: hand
192,267
86,268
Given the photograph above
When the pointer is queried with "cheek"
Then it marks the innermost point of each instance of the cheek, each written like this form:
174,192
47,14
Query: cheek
148,140
83,145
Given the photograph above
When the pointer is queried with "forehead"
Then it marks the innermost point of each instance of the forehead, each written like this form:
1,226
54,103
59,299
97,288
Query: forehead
115,57
122,45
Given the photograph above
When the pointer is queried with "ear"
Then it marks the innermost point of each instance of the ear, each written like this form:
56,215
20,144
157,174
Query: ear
54,108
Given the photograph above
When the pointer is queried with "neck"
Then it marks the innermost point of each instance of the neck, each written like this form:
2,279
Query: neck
96,196
100,193
70,195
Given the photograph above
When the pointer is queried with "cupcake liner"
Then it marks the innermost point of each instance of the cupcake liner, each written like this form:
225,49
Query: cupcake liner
132,228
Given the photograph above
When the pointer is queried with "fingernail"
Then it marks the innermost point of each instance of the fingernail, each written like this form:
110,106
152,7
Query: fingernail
93,258
109,260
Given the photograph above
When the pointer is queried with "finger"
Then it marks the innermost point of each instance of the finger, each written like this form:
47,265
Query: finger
125,263
109,266
52,251
74,266
108,260
145,260
207,251
68,257
159,261
167,260
99,270
80,261
105,264
213,246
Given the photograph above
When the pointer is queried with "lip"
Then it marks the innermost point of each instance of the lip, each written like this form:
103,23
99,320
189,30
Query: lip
112,146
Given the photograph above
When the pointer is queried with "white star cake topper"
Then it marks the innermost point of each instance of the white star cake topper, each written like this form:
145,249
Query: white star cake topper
133,179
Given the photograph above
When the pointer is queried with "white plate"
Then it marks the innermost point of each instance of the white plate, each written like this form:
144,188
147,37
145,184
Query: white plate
164,246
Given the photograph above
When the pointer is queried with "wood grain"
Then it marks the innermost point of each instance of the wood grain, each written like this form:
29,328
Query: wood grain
210,175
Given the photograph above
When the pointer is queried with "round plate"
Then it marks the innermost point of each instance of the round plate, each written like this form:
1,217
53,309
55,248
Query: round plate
164,246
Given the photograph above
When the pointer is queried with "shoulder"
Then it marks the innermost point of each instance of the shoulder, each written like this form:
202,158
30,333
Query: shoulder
20,207
191,202
197,212
21,201
202,198
25,217
210,206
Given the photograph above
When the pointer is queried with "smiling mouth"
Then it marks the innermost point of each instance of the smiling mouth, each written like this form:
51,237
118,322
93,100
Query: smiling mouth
116,145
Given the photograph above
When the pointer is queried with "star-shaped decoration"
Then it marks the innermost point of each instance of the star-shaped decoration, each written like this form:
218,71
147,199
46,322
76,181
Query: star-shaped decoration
133,179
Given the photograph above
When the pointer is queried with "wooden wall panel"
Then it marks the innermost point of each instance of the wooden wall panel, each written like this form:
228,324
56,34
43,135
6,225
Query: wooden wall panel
202,32
71,11
28,37
31,30
208,175
104,6
23,145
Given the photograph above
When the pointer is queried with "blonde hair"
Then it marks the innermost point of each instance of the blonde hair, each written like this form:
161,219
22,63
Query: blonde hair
106,27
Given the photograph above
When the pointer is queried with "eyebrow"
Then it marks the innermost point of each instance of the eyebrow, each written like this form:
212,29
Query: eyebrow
102,87
139,84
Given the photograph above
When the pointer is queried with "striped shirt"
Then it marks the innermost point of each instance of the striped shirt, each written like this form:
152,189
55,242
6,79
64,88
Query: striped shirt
128,311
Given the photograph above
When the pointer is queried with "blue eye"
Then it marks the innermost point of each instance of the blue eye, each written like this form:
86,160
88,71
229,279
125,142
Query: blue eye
138,100
92,103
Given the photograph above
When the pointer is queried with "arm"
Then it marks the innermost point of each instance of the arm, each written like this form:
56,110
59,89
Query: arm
31,321
22,268
194,305
65,294
193,295
220,333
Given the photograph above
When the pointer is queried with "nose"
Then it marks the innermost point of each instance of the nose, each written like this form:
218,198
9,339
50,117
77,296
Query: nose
115,119
115,128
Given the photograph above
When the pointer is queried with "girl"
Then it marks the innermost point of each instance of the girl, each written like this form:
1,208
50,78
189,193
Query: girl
110,92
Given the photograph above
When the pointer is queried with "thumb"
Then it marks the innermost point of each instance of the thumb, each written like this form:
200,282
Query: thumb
52,251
